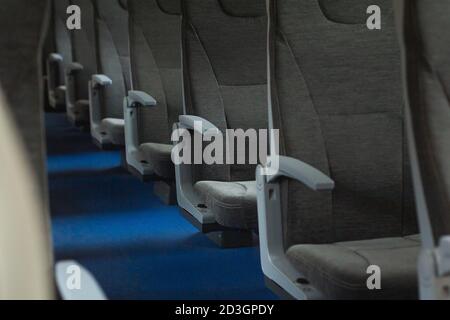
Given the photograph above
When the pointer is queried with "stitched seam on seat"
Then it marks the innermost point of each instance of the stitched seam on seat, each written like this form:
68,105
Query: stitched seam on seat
109,30
361,113
225,118
216,202
301,74
242,185
444,89
244,85
414,240
227,205
210,66
383,248
163,11
159,73
332,279
355,252
342,244
333,23
337,281
229,14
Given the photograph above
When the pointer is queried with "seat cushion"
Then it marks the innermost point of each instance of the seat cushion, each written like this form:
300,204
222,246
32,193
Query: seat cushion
58,97
339,270
79,114
159,157
115,129
232,203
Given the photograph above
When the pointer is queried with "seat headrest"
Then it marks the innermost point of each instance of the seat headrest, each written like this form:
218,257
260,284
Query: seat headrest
170,6
247,8
347,11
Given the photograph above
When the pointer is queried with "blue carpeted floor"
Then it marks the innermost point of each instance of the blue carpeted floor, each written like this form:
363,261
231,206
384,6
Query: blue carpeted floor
135,246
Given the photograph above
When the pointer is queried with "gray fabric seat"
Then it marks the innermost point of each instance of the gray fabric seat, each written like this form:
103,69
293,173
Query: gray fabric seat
233,203
79,111
225,81
58,42
340,268
428,84
83,53
156,70
423,26
339,109
159,155
113,61
114,129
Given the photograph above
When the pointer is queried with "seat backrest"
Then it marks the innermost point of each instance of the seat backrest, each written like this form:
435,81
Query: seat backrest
336,98
24,227
155,46
61,35
224,71
84,46
427,44
113,58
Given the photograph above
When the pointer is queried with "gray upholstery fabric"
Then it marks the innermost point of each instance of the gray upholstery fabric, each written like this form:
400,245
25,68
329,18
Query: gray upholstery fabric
340,269
169,6
63,44
113,57
58,40
238,8
428,74
20,75
84,48
225,71
81,111
115,128
60,93
345,11
159,156
225,77
124,4
339,108
155,46
233,203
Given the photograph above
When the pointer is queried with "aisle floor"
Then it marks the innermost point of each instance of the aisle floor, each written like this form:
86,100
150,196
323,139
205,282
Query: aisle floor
137,247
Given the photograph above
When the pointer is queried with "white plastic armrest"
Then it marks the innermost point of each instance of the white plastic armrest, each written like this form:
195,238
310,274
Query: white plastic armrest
304,173
74,67
55,57
74,282
101,80
197,124
137,99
